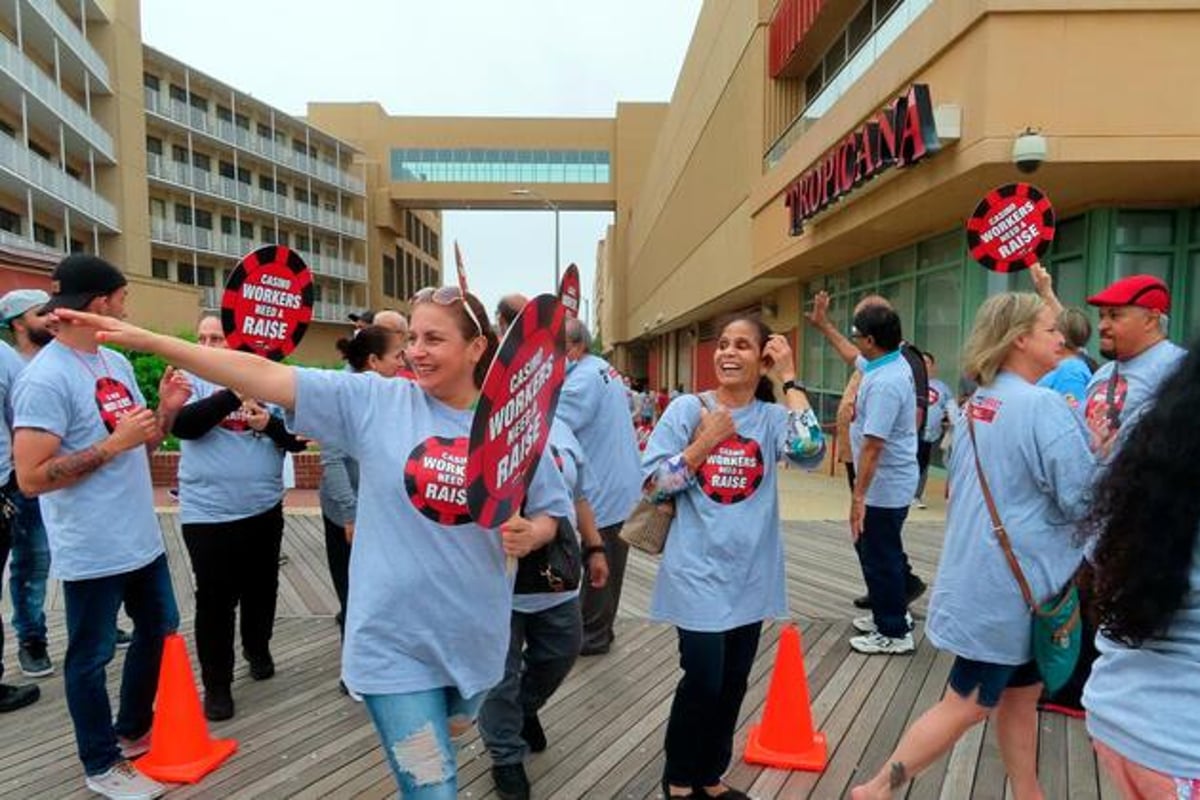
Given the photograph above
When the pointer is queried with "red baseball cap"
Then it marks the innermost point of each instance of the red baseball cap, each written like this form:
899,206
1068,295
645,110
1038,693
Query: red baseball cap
1144,291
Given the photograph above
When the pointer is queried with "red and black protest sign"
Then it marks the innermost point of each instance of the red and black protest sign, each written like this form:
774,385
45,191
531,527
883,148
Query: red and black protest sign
515,409
568,291
733,470
113,401
1011,228
435,477
268,302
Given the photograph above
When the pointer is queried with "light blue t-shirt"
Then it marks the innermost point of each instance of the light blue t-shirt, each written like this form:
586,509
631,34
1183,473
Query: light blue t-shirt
1070,379
1143,702
594,407
569,458
886,408
104,524
1131,384
230,473
11,365
429,599
941,407
723,562
1035,455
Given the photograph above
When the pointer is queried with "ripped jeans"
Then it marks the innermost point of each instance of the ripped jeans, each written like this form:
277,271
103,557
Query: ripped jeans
414,728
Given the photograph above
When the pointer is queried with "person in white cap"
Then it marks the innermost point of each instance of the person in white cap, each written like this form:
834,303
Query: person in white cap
30,563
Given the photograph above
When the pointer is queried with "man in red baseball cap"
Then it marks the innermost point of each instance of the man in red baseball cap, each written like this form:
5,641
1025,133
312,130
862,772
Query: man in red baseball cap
1133,332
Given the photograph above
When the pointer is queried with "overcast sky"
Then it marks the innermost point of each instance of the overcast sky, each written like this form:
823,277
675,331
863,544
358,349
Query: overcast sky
570,58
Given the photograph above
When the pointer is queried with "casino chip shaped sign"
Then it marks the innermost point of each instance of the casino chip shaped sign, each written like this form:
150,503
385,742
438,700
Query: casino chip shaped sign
268,302
1011,228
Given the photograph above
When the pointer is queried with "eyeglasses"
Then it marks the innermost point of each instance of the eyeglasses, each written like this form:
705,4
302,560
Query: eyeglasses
447,296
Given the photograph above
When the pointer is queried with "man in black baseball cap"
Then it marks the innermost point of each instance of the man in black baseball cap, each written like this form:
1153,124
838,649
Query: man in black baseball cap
80,278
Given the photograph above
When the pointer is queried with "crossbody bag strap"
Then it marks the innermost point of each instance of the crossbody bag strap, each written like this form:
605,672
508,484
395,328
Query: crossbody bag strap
997,523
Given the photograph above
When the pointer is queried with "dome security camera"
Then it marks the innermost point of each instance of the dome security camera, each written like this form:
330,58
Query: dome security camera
1029,150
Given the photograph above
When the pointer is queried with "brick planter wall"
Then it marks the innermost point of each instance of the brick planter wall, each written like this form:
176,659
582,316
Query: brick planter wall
164,469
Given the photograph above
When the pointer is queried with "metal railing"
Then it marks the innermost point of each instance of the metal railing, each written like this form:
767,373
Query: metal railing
189,236
21,242
70,33
229,189
331,312
43,89
231,134
45,177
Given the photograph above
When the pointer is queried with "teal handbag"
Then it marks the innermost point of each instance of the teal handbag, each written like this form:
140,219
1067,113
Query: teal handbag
1057,633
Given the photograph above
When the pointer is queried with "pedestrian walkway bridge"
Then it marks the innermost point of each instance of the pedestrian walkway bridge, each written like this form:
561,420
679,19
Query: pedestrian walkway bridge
300,737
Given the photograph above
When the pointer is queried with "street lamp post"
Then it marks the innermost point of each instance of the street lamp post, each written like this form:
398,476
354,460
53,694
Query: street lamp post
550,204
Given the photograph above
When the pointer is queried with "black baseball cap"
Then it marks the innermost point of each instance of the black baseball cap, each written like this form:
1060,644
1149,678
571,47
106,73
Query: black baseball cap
367,317
78,279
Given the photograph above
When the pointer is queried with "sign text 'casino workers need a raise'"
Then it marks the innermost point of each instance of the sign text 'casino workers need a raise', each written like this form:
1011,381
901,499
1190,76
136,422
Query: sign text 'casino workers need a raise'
268,302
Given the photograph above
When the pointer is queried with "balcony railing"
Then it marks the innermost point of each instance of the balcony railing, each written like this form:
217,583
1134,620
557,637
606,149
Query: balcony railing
18,241
49,179
231,134
331,312
862,60
69,32
251,196
43,89
234,247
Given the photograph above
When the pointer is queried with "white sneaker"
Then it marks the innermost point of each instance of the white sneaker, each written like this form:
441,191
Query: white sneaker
921,504
132,748
877,643
123,782
866,624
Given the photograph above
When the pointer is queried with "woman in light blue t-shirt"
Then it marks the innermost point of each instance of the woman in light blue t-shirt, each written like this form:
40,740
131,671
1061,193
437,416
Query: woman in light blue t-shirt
1034,455
427,626
1143,696
722,571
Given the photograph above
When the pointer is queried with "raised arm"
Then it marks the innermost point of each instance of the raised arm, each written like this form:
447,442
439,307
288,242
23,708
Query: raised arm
1043,284
819,319
248,374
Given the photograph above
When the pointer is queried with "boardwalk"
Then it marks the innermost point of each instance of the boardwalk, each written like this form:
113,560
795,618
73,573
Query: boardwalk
299,737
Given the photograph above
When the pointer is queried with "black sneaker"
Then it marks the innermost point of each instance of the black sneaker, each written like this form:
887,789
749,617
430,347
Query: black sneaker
914,587
34,660
511,781
218,703
14,697
261,666
124,638
532,733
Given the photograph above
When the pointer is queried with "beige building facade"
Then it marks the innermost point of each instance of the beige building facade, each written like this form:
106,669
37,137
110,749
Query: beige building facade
770,91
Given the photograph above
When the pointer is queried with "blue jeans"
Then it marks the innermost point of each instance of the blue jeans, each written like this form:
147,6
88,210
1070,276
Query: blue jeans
92,607
29,569
414,728
885,568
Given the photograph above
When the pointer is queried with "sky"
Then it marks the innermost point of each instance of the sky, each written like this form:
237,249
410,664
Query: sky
561,58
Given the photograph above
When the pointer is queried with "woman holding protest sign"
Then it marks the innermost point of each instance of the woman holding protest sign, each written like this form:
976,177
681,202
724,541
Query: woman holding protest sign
1141,698
422,671
1031,470
722,571
371,349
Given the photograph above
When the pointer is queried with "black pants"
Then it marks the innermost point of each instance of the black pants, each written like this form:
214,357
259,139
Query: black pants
924,455
337,553
716,667
885,568
599,606
234,562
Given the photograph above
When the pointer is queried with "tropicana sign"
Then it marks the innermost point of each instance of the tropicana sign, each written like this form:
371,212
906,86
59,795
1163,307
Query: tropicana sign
901,134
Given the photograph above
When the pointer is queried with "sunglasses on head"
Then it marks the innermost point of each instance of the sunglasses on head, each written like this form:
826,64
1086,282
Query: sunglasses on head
447,296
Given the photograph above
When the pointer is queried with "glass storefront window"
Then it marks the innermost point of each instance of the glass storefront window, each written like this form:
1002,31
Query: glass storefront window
894,265
1070,281
863,274
1069,236
1143,263
938,319
500,166
1145,228
941,250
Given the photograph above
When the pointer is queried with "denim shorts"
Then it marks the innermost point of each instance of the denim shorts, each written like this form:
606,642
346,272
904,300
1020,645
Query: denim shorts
990,679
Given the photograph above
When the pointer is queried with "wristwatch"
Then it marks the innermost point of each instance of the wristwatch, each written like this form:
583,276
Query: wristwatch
794,384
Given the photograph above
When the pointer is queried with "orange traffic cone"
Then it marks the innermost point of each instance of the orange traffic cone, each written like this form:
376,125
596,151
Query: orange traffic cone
786,738
180,748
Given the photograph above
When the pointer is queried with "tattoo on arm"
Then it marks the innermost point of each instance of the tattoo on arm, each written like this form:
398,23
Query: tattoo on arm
898,775
75,465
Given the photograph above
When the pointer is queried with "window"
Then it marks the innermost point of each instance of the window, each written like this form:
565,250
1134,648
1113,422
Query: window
186,273
302,242
179,154
226,169
263,130
243,176
224,114
74,173
281,189
301,195
10,221
242,121
183,214
299,146
150,81
228,225
201,162
434,245
158,208
45,235
76,246
7,129
199,103
178,93
159,268
154,145
247,230
1144,243
266,183
41,151
204,219
389,276
206,276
